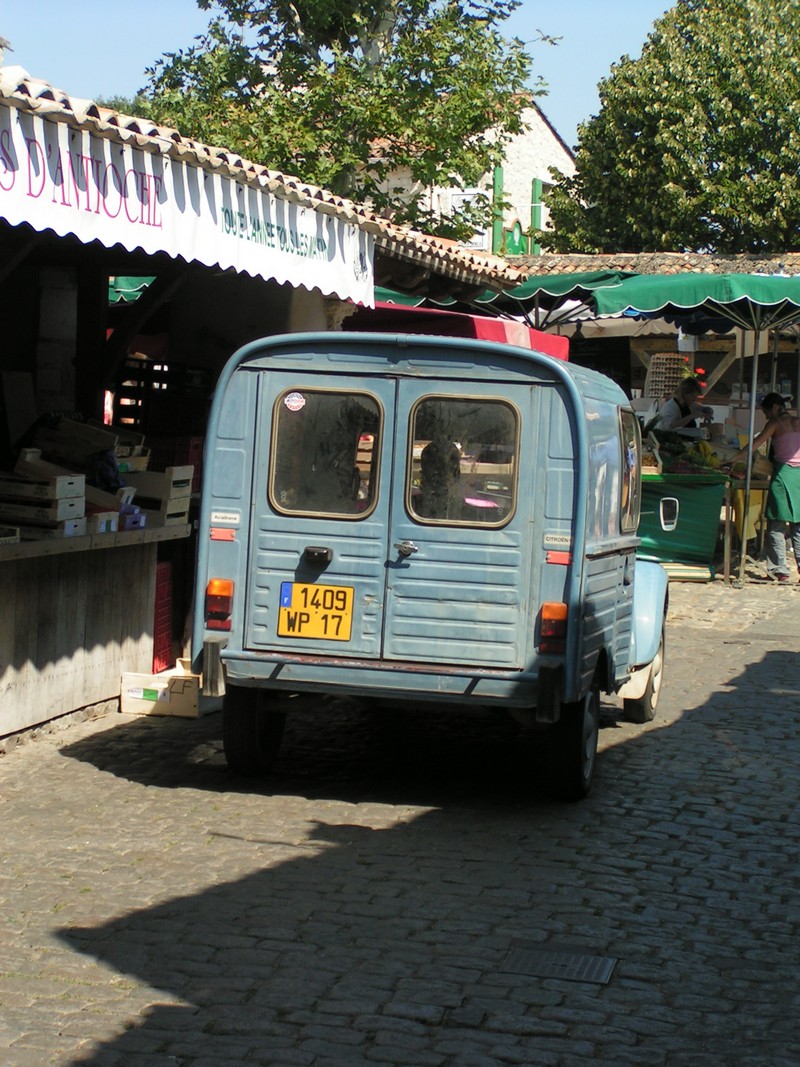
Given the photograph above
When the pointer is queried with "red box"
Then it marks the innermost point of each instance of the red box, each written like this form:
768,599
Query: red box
163,658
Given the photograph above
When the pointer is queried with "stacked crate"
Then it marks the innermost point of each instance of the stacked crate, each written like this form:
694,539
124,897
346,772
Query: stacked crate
149,395
73,444
177,452
664,374
164,496
42,501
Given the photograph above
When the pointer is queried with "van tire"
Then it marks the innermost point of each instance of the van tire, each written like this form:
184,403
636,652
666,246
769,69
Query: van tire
643,709
251,731
572,747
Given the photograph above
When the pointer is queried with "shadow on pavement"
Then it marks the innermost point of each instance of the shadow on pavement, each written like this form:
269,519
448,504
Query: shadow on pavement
681,865
341,751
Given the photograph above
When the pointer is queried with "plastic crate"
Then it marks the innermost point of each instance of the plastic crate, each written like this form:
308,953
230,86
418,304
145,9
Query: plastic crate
163,658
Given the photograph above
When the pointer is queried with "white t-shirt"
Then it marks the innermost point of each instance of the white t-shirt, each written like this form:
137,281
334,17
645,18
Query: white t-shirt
669,415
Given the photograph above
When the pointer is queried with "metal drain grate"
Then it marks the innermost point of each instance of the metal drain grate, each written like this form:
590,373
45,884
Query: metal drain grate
552,961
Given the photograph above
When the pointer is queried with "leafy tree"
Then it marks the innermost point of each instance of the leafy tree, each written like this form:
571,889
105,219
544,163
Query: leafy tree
347,94
696,144
125,105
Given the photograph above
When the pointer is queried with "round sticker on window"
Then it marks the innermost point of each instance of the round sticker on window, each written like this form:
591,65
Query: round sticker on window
294,401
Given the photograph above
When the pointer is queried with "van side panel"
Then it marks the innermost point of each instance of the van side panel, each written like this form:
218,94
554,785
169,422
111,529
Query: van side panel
228,472
607,617
608,582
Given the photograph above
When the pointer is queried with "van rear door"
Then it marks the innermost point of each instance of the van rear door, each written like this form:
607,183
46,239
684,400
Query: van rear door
459,556
386,519
320,510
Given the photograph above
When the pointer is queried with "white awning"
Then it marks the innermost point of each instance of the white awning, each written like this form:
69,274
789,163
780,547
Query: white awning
56,177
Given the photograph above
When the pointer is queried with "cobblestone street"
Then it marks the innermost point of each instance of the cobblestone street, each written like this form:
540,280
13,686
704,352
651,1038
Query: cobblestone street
371,904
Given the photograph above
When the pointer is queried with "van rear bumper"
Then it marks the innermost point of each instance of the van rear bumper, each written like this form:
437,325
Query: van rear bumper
379,679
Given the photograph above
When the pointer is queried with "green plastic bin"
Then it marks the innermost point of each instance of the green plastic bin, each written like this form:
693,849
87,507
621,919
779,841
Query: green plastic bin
694,540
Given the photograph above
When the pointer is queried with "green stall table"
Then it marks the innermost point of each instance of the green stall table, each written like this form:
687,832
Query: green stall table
692,545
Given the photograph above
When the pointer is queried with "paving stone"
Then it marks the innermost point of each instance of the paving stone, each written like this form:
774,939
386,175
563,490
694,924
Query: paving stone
359,908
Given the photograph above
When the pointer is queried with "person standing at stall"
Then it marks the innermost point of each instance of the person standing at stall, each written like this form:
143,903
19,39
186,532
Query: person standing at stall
782,511
682,409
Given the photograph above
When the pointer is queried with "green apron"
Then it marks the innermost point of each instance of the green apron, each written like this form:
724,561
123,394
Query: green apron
783,500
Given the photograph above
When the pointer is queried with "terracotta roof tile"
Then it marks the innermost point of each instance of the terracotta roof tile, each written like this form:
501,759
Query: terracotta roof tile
660,263
18,89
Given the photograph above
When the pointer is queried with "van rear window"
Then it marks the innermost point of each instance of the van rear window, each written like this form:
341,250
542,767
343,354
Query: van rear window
463,462
631,497
325,453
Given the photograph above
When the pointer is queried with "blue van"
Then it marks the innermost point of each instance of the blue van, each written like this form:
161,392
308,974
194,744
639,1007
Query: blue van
427,519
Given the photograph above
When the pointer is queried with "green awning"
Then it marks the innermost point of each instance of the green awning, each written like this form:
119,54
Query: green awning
124,288
550,288
392,296
751,301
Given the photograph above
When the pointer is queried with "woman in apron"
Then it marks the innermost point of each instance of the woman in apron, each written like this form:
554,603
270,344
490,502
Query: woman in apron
783,499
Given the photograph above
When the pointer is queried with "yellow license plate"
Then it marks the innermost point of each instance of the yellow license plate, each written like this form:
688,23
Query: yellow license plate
324,611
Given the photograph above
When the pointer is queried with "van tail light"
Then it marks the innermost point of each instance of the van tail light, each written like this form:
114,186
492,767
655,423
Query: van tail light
553,627
219,604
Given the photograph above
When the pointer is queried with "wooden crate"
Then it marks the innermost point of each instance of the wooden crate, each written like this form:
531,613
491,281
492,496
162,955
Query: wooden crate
66,528
30,485
43,512
129,442
74,442
130,451
651,446
174,483
133,463
166,512
177,452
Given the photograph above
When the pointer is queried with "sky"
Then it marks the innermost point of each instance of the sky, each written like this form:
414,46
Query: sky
95,48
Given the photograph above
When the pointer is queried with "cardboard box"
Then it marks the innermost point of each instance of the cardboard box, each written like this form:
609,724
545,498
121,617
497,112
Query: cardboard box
175,692
102,522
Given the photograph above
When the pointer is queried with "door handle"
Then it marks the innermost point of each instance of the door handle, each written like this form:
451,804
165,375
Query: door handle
406,548
318,554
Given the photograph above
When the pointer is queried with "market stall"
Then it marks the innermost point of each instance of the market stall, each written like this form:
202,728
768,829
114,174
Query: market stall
712,502
222,251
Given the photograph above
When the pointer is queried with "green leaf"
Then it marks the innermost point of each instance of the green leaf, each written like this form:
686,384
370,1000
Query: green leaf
353,94
695,144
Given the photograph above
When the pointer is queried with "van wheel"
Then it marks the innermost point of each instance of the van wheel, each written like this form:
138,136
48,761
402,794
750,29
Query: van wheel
572,747
643,709
251,730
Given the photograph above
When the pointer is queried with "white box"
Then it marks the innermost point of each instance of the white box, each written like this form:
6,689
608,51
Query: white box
174,692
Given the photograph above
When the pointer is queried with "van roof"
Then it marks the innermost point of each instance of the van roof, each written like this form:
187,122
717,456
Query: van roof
481,356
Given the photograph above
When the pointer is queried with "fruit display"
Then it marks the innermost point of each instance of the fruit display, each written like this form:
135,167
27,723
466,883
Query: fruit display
684,455
701,454
651,456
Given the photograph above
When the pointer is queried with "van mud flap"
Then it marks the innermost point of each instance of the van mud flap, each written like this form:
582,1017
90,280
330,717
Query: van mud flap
213,671
548,695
